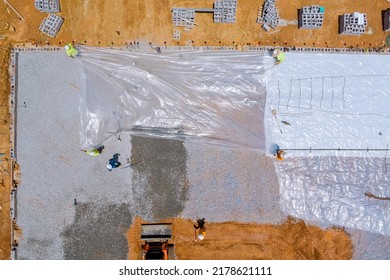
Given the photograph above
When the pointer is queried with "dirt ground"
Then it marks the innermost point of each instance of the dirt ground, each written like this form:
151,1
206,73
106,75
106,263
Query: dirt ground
5,180
292,240
108,23
114,23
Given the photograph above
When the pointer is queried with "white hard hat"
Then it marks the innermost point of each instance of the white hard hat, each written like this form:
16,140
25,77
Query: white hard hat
67,47
275,53
109,166
200,236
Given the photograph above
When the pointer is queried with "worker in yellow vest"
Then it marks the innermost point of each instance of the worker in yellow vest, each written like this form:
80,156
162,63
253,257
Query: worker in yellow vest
94,152
279,56
71,51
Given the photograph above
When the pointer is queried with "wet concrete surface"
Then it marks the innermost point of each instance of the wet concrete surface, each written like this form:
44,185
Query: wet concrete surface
98,232
160,184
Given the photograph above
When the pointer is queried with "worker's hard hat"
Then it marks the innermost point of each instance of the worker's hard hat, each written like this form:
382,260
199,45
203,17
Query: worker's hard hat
67,47
200,236
109,167
276,52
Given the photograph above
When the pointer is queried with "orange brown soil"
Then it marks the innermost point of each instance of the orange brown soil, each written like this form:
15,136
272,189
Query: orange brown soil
5,179
291,240
107,23
114,23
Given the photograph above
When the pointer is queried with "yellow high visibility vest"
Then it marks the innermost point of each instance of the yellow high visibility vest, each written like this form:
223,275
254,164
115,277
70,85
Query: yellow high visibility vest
93,153
71,51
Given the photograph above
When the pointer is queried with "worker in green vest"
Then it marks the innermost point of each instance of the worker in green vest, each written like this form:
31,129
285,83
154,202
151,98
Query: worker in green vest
71,51
279,56
94,152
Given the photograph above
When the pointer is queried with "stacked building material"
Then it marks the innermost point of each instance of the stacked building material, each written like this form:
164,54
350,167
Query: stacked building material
269,15
48,6
225,11
176,35
352,24
386,20
183,17
311,17
51,25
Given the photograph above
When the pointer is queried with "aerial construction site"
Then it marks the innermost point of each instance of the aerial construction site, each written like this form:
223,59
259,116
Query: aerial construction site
195,130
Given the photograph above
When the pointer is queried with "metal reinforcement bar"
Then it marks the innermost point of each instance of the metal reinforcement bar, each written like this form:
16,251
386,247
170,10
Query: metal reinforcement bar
16,12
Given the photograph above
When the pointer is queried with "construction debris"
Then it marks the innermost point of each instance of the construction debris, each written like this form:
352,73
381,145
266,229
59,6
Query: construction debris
6,26
16,12
268,15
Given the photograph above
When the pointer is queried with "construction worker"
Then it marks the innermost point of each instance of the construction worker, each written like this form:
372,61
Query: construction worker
94,152
280,155
202,229
71,51
113,162
279,56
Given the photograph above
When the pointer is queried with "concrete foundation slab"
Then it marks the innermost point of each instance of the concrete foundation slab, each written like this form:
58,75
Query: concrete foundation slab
71,207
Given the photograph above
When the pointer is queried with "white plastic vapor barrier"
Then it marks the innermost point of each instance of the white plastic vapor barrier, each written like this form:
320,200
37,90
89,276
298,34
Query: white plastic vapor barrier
343,191
330,101
331,115
213,96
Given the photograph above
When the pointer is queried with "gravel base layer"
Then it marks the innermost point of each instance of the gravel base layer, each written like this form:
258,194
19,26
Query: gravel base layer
98,232
369,246
158,179
231,185
55,172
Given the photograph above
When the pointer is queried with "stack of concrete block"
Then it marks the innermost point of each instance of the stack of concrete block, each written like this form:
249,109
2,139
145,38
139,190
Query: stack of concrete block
48,6
176,35
386,20
352,24
259,14
269,15
183,17
225,11
51,25
311,17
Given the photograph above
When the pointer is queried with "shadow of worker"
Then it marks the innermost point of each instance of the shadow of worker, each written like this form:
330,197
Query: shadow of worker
113,162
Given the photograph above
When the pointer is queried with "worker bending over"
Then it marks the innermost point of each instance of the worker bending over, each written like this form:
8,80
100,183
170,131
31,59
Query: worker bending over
71,51
202,229
279,56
